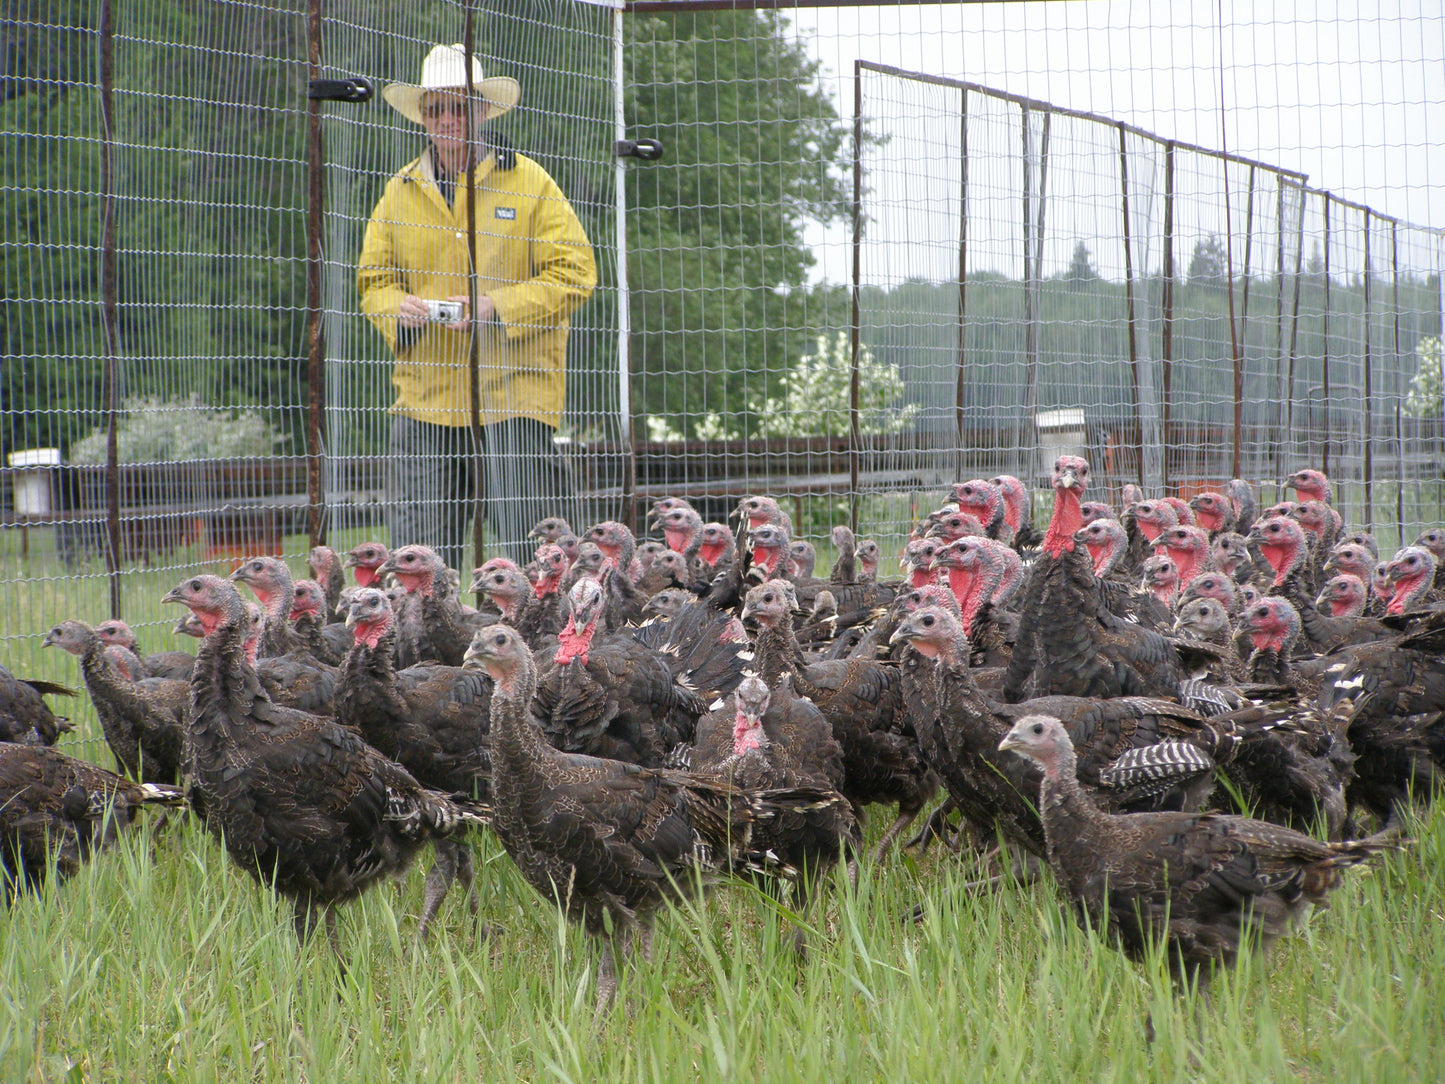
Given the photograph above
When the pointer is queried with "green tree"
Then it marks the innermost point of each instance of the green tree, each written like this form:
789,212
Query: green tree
1209,265
717,265
1081,271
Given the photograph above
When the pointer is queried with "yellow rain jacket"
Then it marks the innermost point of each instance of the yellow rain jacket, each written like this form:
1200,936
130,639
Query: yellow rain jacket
532,259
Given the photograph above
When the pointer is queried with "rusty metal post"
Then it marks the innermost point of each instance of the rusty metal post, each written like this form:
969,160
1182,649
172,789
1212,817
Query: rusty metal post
1166,300
961,372
110,384
1238,329
1399,399
1367,407
1130,315
315,318
1325,350
1299,256
855,332
474,332
628,421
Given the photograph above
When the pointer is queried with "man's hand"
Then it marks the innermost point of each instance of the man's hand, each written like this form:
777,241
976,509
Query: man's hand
413,312
486,311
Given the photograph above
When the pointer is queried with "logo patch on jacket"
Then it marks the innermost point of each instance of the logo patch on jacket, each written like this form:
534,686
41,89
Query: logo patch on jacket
508,213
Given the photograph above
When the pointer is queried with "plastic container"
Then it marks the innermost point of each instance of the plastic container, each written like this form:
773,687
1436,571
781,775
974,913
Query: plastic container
31,480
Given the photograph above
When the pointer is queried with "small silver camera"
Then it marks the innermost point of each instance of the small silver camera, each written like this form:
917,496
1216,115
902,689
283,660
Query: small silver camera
444,312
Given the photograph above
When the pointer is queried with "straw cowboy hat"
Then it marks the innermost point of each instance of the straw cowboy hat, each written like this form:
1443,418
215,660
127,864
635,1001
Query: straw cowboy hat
445,68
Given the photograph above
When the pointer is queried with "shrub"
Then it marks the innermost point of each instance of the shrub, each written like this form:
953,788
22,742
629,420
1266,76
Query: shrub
156,430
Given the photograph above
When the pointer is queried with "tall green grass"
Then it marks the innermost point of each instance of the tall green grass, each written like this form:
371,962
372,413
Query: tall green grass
161,961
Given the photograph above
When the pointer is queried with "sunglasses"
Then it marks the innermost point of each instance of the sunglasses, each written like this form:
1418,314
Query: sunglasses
446,109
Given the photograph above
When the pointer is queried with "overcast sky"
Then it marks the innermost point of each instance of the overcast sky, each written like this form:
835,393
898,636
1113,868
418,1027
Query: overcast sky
1351,93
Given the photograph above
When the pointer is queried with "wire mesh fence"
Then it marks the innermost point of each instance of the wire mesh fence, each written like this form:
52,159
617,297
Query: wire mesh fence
885,249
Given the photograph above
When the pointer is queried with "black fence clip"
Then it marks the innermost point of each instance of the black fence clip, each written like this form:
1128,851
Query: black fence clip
649,150
356,89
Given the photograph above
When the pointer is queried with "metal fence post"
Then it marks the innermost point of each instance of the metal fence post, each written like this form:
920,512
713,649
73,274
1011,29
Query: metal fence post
110,389
315,318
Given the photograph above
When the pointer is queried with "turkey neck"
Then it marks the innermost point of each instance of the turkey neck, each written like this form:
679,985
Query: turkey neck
223,688
1072,822
1068,517
776,652
371,669
519,752
102,676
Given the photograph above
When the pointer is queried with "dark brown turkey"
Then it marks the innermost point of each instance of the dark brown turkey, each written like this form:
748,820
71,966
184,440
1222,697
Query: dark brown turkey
636,693
862,700
1069,643
302,803
144,722
1205,885
609,842
24,715
761,739
429,718
56,812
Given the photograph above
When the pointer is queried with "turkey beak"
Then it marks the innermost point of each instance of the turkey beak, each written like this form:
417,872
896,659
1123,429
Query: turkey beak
173,595
1069,478
1010,741
902,632
389,565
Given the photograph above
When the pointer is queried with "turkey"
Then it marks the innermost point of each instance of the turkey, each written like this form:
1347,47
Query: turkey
301,803
1214,512
24,715
57,811
365,562
636,693
143,721
845,565
761,739
959,728
160,664
429,718
1205,885
1411,573
1398,736
619,548
1241,497
609,842
325,565
1018,511
274,586
431,624
1068,642
1343,595
984,502
550,529
515,596
862,701
326,641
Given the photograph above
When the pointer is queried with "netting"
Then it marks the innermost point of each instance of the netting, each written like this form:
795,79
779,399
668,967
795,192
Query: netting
885,249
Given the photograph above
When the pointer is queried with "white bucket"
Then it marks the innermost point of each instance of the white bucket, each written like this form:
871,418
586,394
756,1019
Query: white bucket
31,480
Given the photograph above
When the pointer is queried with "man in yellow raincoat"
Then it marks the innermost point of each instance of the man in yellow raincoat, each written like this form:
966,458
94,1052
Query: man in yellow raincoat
534,266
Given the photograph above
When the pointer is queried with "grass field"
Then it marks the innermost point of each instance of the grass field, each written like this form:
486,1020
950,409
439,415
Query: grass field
161,962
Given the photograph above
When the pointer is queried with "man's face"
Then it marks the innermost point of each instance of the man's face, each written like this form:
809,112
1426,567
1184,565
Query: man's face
444,116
